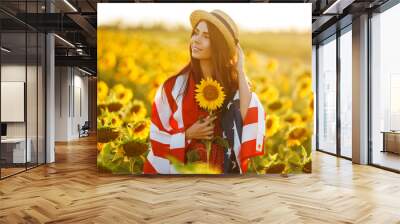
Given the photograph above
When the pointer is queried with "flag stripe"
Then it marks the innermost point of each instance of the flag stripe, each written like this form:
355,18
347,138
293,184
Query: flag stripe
261,127
251,116
249,132
177,94
148,168
159,149
160,164
161,104
167,136
160,136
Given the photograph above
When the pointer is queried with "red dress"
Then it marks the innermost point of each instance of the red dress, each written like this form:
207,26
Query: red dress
192,112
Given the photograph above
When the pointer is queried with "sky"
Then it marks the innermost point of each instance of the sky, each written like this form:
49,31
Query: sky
248,16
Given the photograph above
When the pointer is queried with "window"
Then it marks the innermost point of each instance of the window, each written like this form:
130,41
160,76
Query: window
327,96
22,75
385,89
346,75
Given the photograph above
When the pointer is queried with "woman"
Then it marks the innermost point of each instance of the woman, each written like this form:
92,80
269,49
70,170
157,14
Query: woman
179,125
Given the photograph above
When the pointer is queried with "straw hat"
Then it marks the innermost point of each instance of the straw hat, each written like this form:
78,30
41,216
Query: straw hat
222,21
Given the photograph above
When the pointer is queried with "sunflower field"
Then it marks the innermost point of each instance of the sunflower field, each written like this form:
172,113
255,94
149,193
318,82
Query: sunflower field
134,62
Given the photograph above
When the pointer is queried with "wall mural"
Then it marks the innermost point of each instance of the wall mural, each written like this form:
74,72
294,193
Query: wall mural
217,88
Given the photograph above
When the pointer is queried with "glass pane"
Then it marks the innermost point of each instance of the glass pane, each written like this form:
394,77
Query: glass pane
314,72
346,94
41,98
386,89
31,97
327,97
13,86
31,87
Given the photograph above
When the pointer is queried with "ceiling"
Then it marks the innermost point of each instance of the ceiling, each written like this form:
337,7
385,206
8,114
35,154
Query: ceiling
76,20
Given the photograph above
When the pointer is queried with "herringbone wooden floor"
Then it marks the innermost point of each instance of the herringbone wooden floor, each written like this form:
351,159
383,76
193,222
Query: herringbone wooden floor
72,191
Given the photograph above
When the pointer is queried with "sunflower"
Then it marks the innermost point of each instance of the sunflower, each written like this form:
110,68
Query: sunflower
269,93
140,129
134,148
106,134
293,118
310,108
276,168
101,121
304,87
109,119
272,125
279,105
122,94
209,94
102,91
296,136
100,109
114,106
136,110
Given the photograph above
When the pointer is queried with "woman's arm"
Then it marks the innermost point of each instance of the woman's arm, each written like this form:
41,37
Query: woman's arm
253,115
244,89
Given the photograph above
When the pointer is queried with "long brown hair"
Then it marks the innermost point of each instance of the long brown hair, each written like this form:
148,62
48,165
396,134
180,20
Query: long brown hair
223,64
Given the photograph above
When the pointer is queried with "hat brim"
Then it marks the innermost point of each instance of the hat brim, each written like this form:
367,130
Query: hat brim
199,15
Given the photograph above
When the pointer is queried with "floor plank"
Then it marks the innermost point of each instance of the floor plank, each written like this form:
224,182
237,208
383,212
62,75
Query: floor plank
72,191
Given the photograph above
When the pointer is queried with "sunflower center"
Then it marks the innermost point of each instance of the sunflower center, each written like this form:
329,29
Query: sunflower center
139,128
269,123
135,109
210,93
133,149
121,95
297,133
275,106
106,135
103,121
290,119
112,107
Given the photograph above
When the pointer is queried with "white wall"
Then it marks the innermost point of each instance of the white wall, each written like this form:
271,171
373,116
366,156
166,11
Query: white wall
33,127
61,103
71,93
12,73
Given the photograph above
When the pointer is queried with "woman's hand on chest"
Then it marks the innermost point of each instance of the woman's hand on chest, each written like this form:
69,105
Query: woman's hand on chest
201,129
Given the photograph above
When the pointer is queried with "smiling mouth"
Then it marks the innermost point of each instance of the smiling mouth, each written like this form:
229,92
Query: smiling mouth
196,49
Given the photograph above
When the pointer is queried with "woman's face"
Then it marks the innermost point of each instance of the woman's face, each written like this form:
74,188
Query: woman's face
200,42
